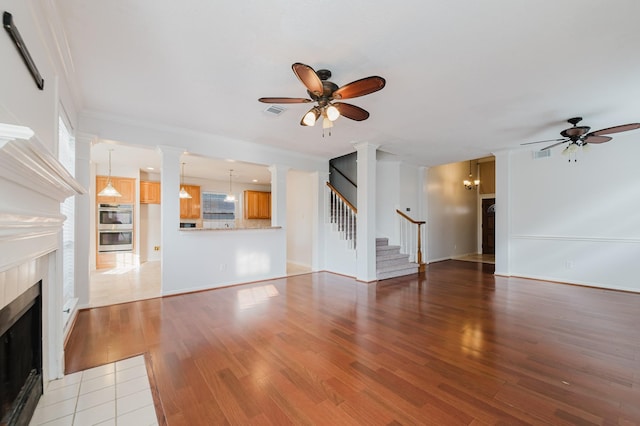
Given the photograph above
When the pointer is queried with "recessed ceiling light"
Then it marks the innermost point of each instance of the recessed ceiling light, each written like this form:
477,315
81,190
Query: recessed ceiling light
255,180
150,168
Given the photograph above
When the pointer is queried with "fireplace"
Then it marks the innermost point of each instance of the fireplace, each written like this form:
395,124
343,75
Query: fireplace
21,357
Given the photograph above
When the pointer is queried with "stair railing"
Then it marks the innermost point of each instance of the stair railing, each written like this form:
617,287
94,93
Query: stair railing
411,236
342,215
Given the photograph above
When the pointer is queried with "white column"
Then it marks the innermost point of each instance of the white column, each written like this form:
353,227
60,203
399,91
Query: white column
169,213
279,195
423,205
83,223
503,214
319,221
366,227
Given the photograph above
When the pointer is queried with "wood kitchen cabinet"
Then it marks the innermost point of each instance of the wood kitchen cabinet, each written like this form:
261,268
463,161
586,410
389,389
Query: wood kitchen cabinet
149,192
257,205
125,186
190,207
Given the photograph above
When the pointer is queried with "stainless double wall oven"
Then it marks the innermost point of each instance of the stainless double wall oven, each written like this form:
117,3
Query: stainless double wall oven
115,227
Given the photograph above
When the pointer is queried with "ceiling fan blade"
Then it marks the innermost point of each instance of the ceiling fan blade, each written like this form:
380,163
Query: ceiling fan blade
285,100
351,111
360,87
554,145
548,140
591,138
308,77
615,129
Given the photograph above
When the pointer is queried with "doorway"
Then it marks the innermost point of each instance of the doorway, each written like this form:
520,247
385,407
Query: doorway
488,226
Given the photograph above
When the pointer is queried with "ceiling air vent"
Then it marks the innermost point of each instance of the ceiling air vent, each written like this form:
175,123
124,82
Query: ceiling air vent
275,110
541,154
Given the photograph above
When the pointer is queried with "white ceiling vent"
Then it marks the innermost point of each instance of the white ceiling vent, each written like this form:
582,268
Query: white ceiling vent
275,110
541,154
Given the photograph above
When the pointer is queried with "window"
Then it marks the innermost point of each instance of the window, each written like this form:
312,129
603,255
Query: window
214,207
67,156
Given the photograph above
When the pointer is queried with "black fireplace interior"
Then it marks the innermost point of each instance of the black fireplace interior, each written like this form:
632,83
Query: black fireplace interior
21,357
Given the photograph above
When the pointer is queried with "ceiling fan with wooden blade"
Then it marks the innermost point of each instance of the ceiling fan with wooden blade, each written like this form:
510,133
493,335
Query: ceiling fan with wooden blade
324,93
579,136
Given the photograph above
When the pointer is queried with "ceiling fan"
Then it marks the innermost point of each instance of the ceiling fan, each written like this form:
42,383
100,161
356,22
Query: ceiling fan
326,93
579,136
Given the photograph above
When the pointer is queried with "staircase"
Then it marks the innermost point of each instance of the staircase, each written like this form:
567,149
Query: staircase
390,262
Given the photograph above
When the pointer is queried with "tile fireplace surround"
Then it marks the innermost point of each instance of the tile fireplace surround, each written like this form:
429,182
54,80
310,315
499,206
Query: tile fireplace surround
33,183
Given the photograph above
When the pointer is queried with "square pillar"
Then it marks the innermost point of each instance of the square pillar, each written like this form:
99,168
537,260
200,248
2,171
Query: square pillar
366,224
279,195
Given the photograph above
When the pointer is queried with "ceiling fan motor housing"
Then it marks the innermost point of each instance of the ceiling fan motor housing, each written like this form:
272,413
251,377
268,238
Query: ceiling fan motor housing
575,132
328,88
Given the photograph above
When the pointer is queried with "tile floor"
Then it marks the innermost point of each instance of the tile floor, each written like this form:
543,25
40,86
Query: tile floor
115,394
125,283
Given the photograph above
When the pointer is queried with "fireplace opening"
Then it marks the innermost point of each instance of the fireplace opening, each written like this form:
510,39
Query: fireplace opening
21,357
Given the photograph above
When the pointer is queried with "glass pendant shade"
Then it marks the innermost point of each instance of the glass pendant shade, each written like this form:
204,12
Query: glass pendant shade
332,113
310,117
184,193
109,190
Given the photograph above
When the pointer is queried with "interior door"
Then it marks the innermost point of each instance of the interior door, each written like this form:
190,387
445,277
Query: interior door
489,226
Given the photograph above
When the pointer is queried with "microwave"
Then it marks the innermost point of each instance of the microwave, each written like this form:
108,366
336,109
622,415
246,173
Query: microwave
115,216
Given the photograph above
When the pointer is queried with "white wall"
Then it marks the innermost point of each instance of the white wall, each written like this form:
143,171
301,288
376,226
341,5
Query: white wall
575,222
22,103
207,259
300,217
388,200
451,212
397,187
149,232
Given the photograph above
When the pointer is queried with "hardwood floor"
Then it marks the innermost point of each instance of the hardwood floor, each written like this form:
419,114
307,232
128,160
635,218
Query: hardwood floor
456,345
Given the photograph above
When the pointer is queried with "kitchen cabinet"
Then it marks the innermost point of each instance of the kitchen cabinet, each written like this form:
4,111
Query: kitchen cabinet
257,205
149,192
190,207
125,186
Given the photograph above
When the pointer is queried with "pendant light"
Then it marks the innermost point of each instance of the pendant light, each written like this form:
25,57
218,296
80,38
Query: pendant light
230,198
183,192
109,190
469,183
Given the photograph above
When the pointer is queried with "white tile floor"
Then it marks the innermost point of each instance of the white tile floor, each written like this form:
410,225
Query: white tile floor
125,283
116,394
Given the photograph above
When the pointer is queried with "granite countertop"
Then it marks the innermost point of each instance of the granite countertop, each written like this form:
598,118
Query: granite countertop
227,229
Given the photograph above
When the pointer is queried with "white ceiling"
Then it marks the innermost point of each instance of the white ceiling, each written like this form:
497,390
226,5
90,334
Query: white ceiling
149,160
464,78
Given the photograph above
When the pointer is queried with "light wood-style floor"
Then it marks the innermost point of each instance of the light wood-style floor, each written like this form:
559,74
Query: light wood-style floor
456,345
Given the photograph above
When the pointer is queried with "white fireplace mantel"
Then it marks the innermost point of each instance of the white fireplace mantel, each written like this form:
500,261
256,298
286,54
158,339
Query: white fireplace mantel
33,183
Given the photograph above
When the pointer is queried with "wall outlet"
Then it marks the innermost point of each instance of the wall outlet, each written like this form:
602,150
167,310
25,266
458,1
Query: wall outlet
223,267
568,264
156,248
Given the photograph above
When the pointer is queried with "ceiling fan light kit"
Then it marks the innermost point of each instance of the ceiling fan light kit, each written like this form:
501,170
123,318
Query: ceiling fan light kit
580,137
325,93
